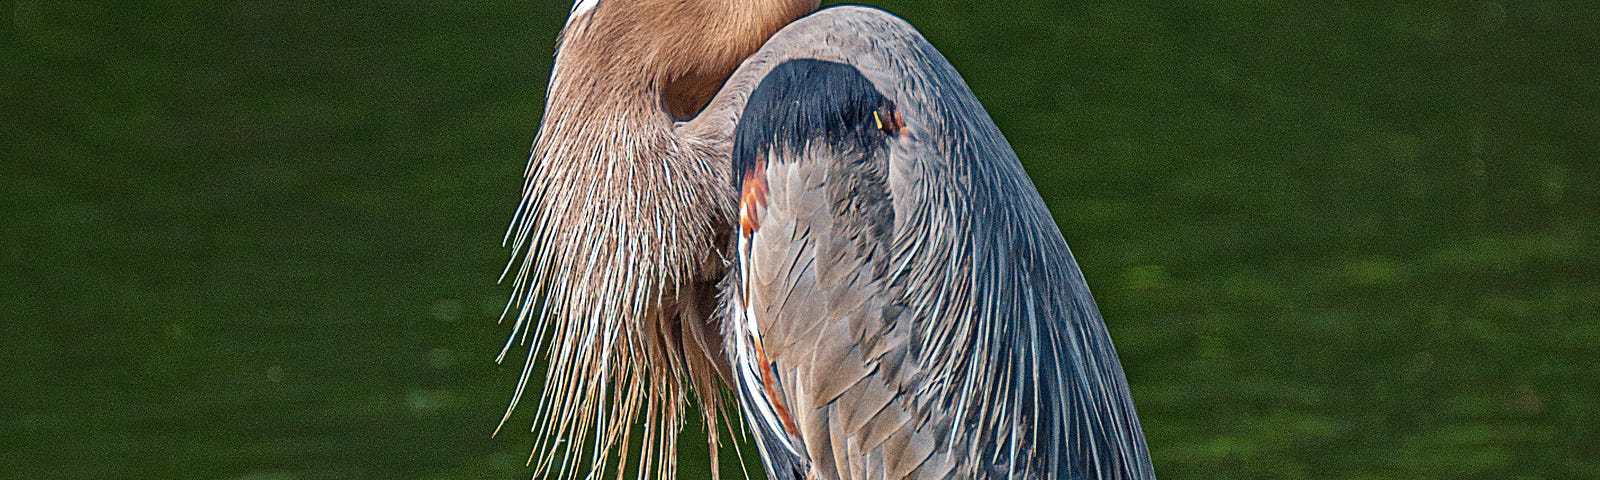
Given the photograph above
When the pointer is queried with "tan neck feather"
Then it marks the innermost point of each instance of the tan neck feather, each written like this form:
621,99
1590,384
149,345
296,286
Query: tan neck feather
621,221
671,55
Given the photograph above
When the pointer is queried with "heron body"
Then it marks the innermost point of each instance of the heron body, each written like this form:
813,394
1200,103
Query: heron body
840,235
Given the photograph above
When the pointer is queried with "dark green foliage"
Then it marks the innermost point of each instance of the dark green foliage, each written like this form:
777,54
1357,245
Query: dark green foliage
1331,239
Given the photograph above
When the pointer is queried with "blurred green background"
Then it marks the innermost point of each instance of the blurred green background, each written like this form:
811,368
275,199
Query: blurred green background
258,239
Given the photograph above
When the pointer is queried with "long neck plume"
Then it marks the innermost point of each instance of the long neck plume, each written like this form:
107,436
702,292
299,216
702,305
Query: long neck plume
615,241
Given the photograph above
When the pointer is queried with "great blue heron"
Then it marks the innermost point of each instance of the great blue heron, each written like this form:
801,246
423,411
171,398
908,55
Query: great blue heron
813,210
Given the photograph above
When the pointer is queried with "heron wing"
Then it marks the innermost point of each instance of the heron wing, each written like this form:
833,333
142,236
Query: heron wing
902,304
819,350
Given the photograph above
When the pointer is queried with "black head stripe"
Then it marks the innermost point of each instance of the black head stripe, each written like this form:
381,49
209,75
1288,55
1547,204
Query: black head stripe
805,101
826,112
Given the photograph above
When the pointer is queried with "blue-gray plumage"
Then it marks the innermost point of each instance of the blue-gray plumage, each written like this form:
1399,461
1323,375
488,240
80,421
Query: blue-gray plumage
964,342
897,301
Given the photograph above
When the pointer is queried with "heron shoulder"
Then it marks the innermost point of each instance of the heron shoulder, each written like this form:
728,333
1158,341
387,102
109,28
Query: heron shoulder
883,47
983,281
829,21
878,42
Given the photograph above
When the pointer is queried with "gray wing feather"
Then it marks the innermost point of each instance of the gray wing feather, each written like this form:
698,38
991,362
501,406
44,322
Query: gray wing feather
965,343
822,321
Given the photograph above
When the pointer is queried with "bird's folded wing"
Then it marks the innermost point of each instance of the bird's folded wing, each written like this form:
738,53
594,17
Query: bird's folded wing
902,304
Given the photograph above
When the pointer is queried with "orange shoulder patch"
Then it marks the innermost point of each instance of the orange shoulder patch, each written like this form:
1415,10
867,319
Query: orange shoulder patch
752,198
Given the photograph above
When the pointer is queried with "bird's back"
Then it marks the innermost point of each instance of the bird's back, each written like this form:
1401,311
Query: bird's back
902,304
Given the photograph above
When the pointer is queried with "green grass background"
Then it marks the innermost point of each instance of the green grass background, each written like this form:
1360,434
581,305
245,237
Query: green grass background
1333,240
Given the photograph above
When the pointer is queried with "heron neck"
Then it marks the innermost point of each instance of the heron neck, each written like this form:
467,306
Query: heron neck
671,56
